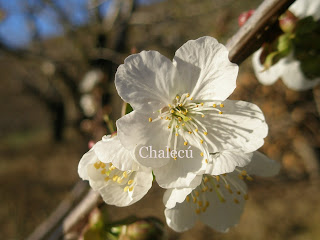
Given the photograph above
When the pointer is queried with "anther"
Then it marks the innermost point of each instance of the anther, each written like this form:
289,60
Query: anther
185,143
196,130
236,201
201,154
169,126
107,179
191,98
103,165
97,165
205,179
221,105
115,177
103,171
218,178
214,105
249,178
124,174
206,160
188,95
245,197
220,112
198,211
205,133
201,104
177,134
196,193
131,189
172,111
189,132
126,189
200,203
150,119
177,126
201,141
202,115
119,180
130,182
188,199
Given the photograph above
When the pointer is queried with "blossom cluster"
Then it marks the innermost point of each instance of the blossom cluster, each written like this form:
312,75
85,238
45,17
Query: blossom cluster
181,106
296,51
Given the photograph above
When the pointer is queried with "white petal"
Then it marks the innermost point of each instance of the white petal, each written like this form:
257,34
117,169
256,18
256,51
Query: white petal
135,128
294,78
305,8
227,161
176,195
217,78
111,150
88,158
114,194
240,126
181,217
223,215
261,165
145,81
266,77
180,172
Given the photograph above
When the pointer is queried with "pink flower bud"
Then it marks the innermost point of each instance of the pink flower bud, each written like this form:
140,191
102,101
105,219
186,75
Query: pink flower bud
244,17
288,22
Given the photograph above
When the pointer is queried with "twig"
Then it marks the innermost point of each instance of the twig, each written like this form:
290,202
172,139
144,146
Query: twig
61,211
253,33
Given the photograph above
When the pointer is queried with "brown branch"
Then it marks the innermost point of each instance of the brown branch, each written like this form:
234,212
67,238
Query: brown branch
254,32
64,207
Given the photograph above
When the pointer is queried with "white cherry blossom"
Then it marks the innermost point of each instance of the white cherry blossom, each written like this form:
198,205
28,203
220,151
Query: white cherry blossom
218,200
182,104
288,68
112,171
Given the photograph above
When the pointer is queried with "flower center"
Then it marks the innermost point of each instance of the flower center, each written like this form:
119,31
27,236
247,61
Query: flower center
124,178
213,184
183,117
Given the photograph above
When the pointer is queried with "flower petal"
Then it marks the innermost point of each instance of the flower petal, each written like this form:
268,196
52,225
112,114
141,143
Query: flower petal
263,166
227,161
180,218
177,195
217,78
145,81
111,150
135,128
114,194
223,215
305,8
294,78
269,76
88,158
240,126
180,172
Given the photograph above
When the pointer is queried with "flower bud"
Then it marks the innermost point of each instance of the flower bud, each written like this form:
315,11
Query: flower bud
288,22
244,17
144,229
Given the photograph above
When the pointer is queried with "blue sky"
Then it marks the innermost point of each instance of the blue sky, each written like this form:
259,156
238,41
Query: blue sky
14,28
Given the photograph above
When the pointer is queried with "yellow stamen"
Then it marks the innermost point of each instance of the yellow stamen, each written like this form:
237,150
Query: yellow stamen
206,160
107,179
220,112
205,133
214,105
150,119
124,174
185,143
201,154
201,104
202,115
115,177
188,199
131,189
236,201
97,165
221,105
130,182
201,141
126,189
196,130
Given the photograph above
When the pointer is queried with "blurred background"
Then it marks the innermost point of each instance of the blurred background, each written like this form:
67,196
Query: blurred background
57,64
